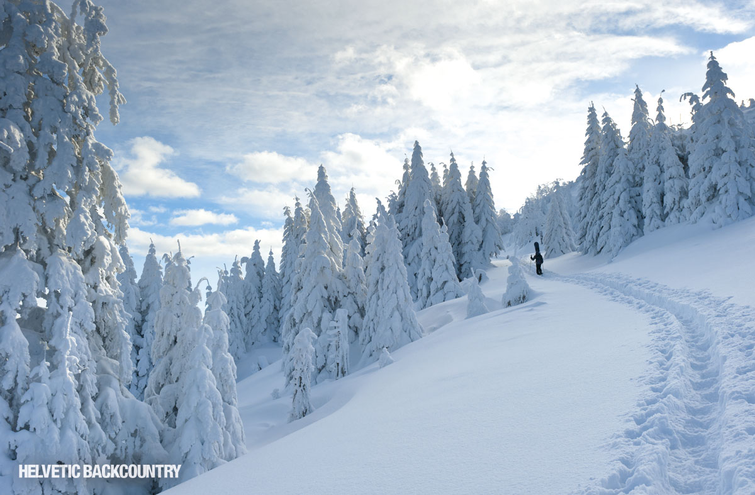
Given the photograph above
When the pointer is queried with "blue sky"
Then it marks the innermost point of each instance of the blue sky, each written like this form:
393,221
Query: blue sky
232,104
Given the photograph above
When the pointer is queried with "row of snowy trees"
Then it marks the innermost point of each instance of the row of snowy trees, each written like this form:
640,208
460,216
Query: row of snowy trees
665,176
81,341
373,276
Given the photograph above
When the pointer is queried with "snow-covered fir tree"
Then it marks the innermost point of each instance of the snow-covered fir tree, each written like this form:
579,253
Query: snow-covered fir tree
485,217
150,283
327,204
389,319
530,222
622,205
269,309
517,288
602,207
475,298
182,389
255,273
588,187
557,236
463,232
471,184
356,288
653,183
62,206
436,281
674,193
409,221
235,292
288,257
722,160
396,205
338,345
638,149
302,366
317,290
292,248
131,302
224,371
353,223
437,189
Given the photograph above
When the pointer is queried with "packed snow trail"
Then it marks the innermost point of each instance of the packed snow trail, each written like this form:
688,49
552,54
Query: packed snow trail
694,432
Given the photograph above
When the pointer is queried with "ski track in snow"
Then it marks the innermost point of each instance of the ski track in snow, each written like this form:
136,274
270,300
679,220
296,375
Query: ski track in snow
694,430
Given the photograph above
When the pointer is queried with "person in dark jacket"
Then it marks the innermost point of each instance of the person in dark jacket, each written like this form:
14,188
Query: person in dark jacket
538,258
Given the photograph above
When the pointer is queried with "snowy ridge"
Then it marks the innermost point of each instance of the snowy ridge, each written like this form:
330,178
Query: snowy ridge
694,432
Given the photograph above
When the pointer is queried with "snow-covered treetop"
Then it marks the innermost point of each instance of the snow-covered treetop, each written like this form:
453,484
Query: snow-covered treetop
715,81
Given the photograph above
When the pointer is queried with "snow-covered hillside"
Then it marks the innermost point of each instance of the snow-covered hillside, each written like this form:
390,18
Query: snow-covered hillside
638,373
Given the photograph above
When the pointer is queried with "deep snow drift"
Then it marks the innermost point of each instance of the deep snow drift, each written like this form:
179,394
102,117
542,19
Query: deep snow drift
614,377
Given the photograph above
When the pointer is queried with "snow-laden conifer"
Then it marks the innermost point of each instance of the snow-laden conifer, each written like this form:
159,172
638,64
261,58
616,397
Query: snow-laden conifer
475,298
224,371
485,217
639,146
150,283
302,366
235,293
674,192
437,189
269,309
623,205
471,184
255,272
409,222
131,302
317,289
722,160
182,390
517,288
356,288
338,345
557,237
588,189
327,205
463,233
602,207
298,232
436,281
653,183
389,319
353,223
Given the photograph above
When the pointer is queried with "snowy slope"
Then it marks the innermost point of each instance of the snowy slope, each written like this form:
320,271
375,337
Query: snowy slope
615,376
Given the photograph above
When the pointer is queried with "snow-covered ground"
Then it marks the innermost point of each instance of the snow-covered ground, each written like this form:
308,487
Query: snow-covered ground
635,374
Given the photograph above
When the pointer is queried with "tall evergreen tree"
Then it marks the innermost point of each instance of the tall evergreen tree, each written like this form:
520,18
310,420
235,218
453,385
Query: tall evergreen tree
255,273
436,280
131,303
390,321
602,207
638,149
356,288
327,204
463,233
557,237
302,366
409,222
353,222
224,371
270,302
588,187
318,288
182,389
235,293
722,161
150,283
437,189
471,184
292,247
674,180
653,181
622,205
485,217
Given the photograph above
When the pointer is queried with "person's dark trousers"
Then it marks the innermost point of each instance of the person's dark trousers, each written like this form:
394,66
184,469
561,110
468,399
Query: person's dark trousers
539,270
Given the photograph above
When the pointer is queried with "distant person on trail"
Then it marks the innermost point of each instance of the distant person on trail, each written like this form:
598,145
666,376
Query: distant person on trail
538,258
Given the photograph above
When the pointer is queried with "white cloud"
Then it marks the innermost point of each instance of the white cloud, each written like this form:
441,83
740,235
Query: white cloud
142,175
193,218
737,61
269,167
139,219
267,202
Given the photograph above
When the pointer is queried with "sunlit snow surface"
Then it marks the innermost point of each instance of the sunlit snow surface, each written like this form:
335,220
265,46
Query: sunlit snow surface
616,377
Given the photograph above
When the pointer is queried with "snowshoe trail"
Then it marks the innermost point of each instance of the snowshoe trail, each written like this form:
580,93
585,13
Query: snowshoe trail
693,432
